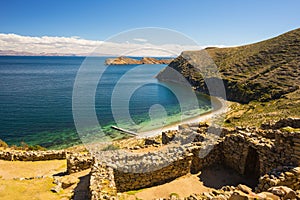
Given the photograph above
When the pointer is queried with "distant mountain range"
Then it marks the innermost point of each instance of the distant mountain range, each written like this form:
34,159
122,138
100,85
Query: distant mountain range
24,53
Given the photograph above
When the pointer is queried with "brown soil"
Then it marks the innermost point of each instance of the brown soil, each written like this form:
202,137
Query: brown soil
218,176
212,178
39,188
26,169
183,186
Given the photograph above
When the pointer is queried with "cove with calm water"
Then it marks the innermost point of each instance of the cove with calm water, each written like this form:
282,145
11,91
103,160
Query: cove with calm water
36,98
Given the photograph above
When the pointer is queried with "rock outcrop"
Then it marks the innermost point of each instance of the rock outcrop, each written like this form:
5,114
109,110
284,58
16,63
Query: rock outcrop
130,61
122,61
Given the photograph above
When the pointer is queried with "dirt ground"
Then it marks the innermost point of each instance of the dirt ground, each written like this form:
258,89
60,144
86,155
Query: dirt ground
26,169
214,177
183,186
12,189
219,176
38,188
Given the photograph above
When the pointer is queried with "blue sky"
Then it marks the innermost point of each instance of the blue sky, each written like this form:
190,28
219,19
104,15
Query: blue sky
208,22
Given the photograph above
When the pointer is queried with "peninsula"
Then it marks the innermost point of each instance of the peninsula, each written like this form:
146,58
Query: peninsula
131,61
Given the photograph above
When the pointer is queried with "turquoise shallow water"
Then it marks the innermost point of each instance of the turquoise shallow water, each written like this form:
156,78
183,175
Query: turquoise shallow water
36,99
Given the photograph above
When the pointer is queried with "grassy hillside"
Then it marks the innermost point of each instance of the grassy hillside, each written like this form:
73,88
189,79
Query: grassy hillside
262,71
255,113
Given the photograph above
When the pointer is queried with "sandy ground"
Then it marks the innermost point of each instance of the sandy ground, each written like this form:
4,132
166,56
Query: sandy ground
214,177
220,107
219,176
29,189
38,188
26,169
183,186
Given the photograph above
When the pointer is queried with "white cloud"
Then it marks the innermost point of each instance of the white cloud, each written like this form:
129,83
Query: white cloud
140,40
78,46
46,44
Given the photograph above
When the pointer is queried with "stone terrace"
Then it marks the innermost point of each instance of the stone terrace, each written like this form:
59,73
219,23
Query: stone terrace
270,155
249,151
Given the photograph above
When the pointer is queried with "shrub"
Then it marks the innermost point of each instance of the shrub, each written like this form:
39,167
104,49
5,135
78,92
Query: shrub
3,144
174,195
111,147
26,147
36,148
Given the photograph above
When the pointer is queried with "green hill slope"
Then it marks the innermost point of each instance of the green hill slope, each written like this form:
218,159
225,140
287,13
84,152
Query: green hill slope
262,71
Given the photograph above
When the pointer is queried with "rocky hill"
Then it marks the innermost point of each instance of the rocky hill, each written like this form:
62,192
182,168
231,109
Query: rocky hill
261,71
131,61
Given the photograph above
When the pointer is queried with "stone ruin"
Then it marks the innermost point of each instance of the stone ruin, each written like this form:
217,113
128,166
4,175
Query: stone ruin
269,155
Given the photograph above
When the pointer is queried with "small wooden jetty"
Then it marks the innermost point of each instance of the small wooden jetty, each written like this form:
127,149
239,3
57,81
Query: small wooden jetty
124,130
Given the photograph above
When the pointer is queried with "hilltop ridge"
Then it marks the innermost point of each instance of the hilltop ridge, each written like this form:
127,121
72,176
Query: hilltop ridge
261,71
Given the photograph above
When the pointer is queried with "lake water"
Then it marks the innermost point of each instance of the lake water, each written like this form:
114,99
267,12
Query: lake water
36,98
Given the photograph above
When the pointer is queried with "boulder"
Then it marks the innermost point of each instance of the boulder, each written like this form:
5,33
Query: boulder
239,195
267,195
283,192
67,181
244,189
56,189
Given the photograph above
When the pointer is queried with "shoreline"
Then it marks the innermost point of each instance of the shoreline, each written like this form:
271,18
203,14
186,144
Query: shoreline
220,107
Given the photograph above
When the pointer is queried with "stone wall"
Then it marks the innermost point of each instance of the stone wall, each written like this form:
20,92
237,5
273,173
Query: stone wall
215,156
78,162
296,148
286,148
271,152
291,122
102,184
13,155
249,151
282,176
133,181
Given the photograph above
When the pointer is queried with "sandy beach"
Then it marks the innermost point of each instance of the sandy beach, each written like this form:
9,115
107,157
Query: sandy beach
220,107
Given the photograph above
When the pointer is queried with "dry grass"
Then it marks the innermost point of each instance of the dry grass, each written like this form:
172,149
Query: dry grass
256,113
27,189
262,71
21,169
37,188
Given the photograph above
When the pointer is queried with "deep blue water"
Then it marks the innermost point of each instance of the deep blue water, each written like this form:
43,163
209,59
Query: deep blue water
36,98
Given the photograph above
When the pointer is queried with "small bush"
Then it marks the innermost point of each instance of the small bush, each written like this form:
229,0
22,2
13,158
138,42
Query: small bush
36,148
3,144
14,147
174,195
26,147
111,147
